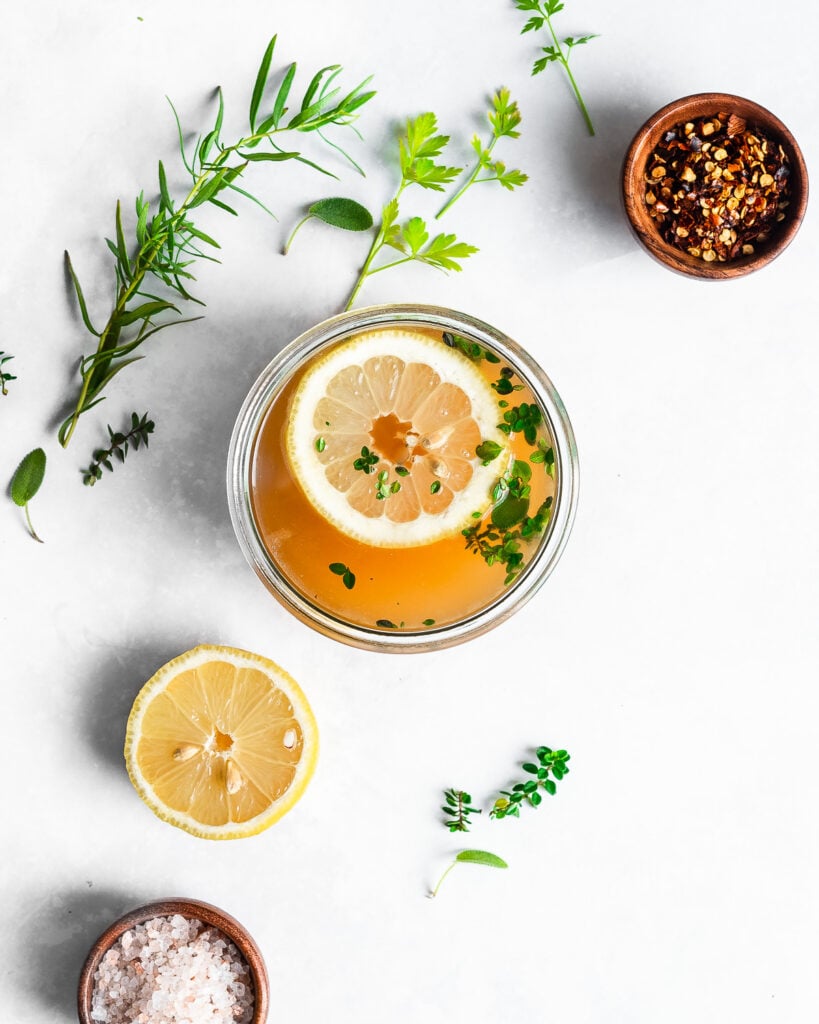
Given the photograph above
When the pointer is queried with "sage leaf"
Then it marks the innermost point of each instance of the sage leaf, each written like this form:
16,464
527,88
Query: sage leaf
489,860
28,477
26,482
342,213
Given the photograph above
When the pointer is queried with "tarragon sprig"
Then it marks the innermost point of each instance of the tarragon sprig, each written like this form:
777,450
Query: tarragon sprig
141,428
418,150
560,50
5,376
168,242
504,118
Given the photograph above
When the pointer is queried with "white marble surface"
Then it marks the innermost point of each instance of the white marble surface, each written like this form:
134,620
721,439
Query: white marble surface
673,651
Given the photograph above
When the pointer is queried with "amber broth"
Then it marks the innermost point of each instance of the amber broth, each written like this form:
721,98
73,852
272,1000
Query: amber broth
442,581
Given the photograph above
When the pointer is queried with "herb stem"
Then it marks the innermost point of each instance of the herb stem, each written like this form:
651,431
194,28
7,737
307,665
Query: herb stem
471,180
30,526
431,895
289,241
377,243
565,62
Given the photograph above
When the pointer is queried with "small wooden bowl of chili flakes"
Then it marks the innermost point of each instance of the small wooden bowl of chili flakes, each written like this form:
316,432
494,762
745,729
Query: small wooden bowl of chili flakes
714,186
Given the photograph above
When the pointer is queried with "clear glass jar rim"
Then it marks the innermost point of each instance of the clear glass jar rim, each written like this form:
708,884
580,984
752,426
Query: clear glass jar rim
274,377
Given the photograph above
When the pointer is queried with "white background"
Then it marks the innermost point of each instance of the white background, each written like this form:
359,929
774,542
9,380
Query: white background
673,651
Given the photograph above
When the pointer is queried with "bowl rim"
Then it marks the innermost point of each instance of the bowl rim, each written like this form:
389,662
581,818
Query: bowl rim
273,378
187,907
643,142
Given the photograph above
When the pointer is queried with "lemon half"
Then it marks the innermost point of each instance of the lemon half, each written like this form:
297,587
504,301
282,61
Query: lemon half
221,742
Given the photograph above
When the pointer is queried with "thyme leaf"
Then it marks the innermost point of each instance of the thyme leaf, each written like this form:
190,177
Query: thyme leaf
345,572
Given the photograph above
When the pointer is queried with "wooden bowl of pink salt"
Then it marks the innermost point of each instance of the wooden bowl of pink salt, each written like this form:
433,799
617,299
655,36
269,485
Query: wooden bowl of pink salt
171,961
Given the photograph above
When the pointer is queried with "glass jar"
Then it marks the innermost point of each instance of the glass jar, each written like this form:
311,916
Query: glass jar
385,635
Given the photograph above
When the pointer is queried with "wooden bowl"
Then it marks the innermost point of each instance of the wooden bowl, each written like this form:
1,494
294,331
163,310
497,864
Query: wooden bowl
203,912
690,108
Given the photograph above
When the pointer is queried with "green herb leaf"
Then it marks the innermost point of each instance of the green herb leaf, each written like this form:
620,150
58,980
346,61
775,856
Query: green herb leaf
28,477
489,860
26,482
488,451
261,82
343,213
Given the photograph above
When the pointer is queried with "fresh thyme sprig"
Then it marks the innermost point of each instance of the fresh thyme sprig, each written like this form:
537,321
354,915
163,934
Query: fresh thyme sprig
559,51
504,118
549,763
168,243
457,810
418,149
141,428
5,376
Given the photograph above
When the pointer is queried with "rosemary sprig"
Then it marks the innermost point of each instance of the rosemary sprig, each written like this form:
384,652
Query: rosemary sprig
141,428
504,118
5,377
418,149
559,51
549,763
168,242
457,810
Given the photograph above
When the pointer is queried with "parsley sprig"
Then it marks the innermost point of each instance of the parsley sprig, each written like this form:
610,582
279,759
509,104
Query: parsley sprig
418,149
504,118
168,242
560,51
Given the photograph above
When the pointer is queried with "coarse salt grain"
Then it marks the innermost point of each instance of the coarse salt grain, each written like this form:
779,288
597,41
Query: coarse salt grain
172,970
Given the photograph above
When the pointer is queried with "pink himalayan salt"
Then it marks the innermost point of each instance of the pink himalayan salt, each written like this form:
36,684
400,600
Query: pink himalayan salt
172,970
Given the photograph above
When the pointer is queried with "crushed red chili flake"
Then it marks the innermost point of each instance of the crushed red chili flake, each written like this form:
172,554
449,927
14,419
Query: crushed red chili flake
716,187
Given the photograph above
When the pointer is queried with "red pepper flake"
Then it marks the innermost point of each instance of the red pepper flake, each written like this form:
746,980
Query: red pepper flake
716,187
